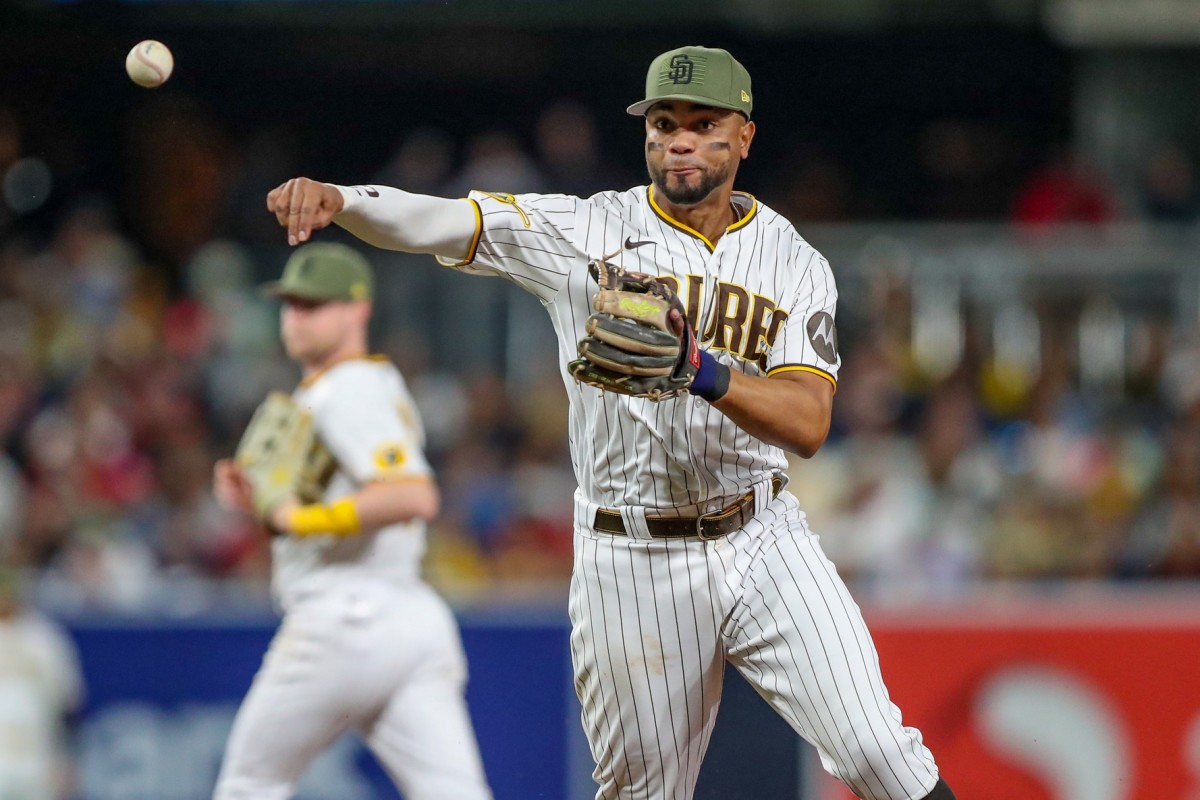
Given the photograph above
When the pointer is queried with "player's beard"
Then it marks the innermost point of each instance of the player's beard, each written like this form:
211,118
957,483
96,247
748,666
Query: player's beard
684,194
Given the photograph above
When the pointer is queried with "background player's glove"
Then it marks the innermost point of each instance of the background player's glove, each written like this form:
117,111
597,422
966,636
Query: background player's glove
281,457
638,342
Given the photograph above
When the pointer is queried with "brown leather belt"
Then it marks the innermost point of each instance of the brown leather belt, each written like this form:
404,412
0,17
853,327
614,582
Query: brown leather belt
713,525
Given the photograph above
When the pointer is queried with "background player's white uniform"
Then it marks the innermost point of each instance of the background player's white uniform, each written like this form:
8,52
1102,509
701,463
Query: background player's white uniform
655,620
365,644
40,684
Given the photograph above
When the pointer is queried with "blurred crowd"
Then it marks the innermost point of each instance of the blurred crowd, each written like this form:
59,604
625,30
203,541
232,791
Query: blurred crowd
133,348
1008,468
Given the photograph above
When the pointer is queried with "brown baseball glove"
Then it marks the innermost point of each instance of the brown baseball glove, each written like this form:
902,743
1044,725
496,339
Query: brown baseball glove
281,456
638,343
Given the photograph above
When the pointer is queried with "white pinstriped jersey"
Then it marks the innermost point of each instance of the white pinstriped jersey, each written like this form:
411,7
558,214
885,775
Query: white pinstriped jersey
364,415
762,300
654,620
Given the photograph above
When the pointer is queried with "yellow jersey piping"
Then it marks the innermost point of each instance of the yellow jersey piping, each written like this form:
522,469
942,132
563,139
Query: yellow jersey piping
674,223
474,239
311,379
802,368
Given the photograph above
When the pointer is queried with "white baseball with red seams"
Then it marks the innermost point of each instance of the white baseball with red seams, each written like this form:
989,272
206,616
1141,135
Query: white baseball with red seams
149,63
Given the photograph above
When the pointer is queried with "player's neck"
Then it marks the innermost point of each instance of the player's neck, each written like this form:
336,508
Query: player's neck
711,217
346,352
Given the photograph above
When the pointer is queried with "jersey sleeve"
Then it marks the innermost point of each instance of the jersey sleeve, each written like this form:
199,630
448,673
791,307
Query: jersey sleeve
527,238
372,430
807,336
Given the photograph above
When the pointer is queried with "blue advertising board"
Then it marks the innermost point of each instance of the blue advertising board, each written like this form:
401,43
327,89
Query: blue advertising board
162,695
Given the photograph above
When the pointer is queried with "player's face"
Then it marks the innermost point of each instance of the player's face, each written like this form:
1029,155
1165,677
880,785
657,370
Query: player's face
691,149
311,329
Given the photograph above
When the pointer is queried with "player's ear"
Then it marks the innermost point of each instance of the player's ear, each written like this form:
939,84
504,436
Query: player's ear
362,311
745,136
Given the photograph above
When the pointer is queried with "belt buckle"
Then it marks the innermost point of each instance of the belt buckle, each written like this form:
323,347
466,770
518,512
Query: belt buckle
720,514
700,534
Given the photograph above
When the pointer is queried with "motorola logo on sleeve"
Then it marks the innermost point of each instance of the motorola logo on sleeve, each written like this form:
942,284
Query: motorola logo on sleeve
822,335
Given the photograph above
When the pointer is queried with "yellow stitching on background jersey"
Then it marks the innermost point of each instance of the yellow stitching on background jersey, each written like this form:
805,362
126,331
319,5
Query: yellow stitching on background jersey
313,378
509,200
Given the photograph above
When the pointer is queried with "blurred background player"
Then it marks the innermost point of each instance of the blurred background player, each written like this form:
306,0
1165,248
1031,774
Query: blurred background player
365,644
41,686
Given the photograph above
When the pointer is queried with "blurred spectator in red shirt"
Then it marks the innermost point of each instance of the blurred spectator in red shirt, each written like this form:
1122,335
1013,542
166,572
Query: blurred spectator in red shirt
1062,191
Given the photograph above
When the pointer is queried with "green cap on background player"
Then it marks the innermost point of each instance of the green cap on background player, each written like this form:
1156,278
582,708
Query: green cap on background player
324,271
702,75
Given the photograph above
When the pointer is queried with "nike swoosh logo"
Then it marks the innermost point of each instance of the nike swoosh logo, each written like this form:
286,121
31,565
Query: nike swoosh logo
631,244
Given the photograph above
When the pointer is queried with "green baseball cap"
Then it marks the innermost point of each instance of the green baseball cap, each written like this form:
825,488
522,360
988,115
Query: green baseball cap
703,75
324,271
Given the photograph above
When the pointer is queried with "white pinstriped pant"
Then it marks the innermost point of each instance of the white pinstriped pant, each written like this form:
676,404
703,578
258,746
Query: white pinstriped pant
653,622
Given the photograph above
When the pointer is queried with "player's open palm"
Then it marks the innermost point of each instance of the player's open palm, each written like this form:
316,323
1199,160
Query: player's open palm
303,205
231,488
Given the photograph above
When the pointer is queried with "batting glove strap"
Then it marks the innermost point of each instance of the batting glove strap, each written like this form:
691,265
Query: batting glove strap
712,379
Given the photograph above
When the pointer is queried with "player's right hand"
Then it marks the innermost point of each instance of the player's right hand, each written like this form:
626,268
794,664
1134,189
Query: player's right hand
303,205
231,488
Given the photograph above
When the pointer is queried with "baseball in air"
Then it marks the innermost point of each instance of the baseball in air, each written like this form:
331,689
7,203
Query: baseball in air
149,63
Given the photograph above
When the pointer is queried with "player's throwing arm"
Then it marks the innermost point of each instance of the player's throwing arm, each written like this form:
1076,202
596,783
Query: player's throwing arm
303,205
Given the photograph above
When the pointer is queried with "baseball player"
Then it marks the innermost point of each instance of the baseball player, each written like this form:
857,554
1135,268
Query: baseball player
697,344
41,689
364,644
